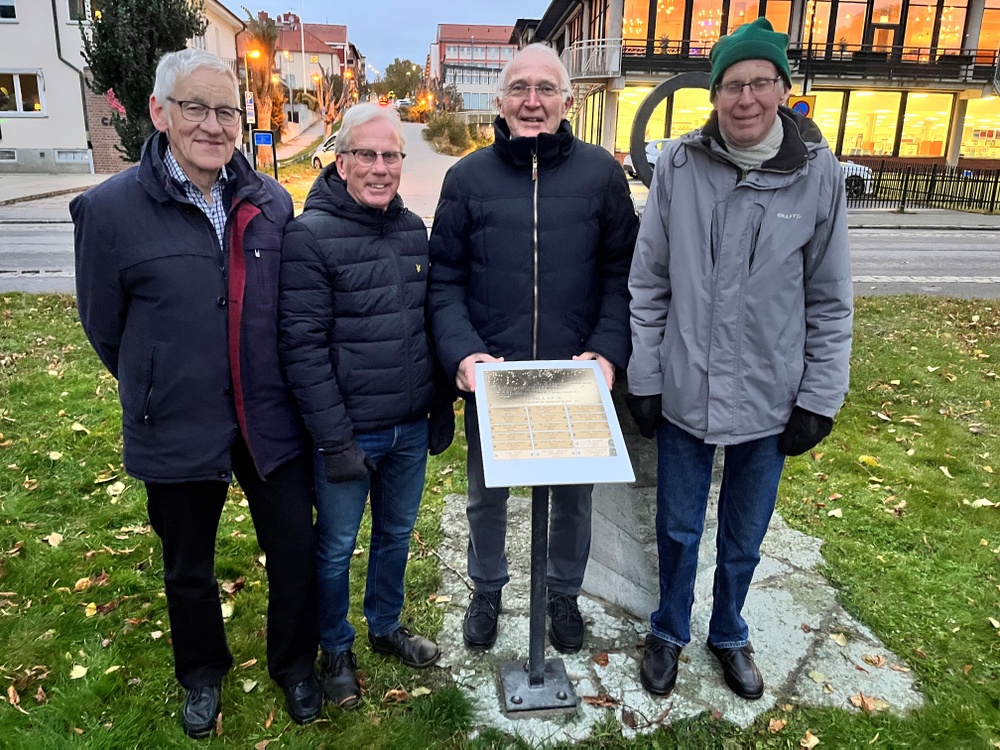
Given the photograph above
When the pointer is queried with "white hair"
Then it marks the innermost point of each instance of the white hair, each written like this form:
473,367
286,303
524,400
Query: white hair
546,50
361,114
176,65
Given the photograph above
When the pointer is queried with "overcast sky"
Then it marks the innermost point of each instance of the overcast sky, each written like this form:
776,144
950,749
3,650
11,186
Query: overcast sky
385,29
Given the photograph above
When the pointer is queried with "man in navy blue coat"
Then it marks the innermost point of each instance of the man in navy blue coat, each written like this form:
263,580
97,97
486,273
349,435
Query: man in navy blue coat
177,286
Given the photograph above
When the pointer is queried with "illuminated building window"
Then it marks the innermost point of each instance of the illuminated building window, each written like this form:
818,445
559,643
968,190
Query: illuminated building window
989,32
981,136
870,129
826,114
779,13
925,124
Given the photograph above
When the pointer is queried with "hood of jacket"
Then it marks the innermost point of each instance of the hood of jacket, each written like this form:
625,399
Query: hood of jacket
551,148
155,178
802,140
329,194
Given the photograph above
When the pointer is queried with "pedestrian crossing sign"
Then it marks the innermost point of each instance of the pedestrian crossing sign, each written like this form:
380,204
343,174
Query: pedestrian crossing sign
804,105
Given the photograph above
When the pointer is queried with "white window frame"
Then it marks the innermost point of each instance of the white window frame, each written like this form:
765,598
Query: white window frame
12,4
18,99
89,11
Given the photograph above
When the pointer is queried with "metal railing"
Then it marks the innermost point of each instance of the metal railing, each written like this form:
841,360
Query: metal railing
593,58
922,186
840,60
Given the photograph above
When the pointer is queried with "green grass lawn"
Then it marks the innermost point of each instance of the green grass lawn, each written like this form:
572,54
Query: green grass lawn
85,658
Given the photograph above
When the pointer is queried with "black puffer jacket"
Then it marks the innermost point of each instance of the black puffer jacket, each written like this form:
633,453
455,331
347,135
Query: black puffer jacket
484,292
353,332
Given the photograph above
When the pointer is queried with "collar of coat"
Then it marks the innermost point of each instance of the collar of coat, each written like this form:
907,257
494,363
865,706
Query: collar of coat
329,194
154,177
802,137
552,148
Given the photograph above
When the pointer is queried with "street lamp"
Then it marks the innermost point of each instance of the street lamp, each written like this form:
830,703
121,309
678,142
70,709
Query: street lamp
255,54
319,94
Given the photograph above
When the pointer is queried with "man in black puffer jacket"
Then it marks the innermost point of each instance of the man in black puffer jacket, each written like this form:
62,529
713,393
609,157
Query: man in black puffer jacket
530,254
356,354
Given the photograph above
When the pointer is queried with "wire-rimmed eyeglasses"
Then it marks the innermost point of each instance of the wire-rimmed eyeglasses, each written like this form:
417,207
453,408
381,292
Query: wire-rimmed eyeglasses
543,90
198,112
758,87
367,156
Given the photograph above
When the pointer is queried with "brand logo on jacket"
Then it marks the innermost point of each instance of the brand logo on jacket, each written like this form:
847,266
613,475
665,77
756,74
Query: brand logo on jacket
418,268
789,216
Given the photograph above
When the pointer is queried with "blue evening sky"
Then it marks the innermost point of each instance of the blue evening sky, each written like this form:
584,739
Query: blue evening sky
385,29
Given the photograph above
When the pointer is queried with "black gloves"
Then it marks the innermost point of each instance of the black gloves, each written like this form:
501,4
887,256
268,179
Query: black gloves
347,464
440,426
646,411
803,431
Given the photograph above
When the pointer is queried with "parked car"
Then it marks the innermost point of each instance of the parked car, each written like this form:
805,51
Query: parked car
653,150
857,179
400,103
324,154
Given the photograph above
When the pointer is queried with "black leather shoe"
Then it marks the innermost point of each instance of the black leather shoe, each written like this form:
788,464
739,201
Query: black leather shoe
658,673
201,708
480,625
304,700
565,623
338,673
413,650
740,671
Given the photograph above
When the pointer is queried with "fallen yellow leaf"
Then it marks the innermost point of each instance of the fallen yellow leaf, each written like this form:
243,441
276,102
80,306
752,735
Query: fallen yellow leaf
868,461
809,741
113,668
54,539
776,725
839,638
90,610
835,513
419,691
54,455
944,470
77,672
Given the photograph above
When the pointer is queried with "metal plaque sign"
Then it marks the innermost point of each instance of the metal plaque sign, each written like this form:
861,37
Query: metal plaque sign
548,422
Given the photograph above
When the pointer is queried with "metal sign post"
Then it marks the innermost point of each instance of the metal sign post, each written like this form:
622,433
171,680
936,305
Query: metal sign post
541,424
265,139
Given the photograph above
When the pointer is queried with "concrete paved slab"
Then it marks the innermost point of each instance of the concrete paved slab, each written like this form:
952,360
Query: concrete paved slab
791,609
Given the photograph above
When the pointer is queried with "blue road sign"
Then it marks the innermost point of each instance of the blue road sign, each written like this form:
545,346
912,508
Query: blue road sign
263,138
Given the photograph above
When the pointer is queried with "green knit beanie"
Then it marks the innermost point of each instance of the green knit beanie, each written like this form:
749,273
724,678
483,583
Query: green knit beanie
751,41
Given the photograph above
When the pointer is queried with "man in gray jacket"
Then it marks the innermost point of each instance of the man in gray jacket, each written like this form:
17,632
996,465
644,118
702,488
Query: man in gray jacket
741,329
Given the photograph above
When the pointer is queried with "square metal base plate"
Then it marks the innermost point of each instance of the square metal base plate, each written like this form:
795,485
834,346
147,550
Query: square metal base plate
555,693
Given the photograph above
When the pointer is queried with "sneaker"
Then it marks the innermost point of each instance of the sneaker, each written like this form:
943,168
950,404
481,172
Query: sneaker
304,700
565,623
338,675
413,650
201,708
480,625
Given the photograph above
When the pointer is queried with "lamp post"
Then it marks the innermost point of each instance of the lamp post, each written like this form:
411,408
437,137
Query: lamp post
319,94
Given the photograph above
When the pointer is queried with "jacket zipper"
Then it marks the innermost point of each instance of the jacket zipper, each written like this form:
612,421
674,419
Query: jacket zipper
149,387
534,179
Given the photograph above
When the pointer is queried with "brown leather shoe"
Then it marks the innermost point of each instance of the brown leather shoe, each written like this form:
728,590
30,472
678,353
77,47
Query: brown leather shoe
740,671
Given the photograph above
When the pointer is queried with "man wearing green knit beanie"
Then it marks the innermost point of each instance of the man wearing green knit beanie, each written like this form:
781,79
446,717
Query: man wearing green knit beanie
741,317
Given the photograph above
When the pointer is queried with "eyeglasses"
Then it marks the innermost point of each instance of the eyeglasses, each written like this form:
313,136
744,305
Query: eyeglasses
367,157
520,90
198,112
758,87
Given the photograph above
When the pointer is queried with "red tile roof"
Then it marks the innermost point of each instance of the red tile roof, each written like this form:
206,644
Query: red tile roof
462,32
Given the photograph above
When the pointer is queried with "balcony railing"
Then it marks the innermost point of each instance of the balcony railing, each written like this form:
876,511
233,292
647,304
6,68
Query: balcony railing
593,58
861,61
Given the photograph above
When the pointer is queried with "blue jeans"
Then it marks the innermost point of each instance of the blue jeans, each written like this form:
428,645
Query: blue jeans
396,486
746,502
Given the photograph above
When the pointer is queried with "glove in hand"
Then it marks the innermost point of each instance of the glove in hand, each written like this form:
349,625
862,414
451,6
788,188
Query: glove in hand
646,411
348,464
805,429
440,426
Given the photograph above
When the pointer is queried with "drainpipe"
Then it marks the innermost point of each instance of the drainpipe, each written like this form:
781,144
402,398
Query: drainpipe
59,54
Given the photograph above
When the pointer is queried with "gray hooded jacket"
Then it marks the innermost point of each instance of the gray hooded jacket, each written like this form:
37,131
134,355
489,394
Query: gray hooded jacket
741,286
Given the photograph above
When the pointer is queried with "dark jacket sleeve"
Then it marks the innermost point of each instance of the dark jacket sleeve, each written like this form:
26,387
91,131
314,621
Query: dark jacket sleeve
100,297
619,225
305,316
447,297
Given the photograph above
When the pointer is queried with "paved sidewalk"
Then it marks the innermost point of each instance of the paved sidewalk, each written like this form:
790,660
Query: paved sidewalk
301,142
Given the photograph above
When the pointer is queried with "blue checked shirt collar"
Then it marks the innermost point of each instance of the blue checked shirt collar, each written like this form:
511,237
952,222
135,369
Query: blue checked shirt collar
216,210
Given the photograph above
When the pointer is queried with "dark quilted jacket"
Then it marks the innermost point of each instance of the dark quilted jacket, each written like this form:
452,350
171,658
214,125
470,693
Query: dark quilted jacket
353,332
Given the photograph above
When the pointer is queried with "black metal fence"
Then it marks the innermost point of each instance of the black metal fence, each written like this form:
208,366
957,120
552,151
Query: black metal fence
881,185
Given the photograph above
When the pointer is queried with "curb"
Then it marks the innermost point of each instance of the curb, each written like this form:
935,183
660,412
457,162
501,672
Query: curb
928,227
49,194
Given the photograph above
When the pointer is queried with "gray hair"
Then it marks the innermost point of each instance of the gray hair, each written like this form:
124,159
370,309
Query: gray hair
176,65
546,50
359,115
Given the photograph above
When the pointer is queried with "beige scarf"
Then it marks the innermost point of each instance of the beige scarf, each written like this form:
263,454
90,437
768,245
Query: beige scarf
754,156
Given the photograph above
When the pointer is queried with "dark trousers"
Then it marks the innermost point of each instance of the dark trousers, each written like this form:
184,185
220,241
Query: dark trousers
186,517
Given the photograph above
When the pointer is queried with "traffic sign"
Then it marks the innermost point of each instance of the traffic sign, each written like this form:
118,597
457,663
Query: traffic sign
263,138
251,111
804,105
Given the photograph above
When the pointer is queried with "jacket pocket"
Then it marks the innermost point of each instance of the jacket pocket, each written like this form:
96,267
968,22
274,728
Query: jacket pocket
149,386
136,387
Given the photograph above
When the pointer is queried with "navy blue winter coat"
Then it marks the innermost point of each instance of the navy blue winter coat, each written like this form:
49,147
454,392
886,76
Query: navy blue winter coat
493,232
353,331
190,333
